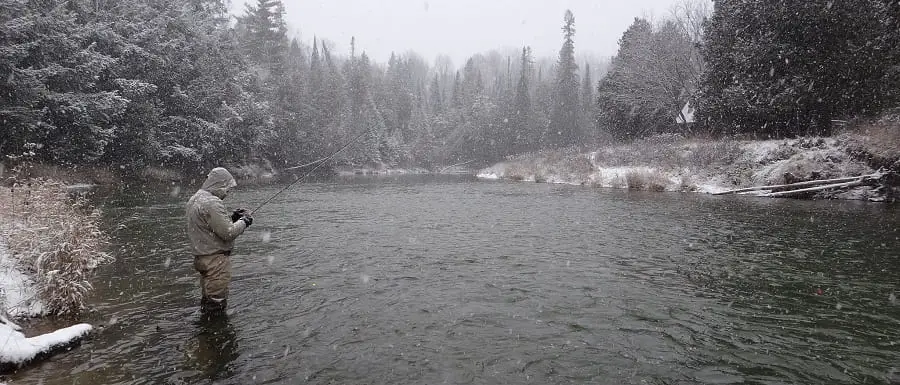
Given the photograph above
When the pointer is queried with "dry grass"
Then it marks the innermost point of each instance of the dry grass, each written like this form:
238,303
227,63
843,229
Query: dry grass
670,151
646,180
94,175
542,165
56,240
878,144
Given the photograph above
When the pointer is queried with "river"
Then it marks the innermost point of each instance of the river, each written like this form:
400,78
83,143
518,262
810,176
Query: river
448,279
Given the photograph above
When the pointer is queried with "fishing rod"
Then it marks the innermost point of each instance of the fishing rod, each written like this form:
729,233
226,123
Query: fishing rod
321,162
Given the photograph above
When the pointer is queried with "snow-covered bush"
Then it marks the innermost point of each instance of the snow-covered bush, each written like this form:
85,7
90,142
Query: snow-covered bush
56,239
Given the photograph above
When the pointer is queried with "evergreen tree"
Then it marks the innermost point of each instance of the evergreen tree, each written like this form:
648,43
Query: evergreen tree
587,103
642,94
56,99
266,41
563,129
437,98
456,100
791,67
524,135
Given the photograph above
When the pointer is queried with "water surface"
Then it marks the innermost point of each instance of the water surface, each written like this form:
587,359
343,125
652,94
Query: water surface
446,279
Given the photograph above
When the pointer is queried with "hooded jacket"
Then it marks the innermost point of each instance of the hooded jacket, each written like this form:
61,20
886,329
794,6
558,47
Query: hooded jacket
209,226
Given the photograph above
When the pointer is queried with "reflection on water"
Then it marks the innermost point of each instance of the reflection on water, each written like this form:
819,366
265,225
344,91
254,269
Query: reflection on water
213,349
425,279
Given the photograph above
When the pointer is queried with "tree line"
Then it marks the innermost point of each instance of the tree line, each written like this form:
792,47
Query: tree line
182,84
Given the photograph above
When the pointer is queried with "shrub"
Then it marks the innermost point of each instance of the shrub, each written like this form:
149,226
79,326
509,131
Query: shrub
719,152
56,240
646,180
635,180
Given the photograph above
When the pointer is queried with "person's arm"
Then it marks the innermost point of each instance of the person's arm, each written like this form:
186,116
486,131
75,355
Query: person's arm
221,224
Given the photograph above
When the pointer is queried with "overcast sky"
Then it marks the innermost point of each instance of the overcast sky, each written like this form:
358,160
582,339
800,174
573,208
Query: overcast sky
461,28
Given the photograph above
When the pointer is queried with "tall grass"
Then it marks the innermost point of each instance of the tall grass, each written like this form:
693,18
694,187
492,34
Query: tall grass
539,166
646,180
669,151
878,143
56,239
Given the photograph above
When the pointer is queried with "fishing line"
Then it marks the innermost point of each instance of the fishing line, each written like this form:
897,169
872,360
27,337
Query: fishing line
320,163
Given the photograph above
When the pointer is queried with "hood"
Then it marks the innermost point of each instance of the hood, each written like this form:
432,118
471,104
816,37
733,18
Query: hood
218,182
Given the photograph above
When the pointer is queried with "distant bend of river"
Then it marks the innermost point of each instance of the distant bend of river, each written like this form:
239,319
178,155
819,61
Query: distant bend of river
447,279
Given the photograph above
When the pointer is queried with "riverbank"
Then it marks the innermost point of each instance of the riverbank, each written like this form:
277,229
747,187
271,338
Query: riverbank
675,163
50,244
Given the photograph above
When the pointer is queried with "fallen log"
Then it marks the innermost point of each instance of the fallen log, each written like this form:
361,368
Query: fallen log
17,351
803,191
792,186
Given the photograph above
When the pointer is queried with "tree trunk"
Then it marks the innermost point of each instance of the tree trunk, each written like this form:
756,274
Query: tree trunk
792,186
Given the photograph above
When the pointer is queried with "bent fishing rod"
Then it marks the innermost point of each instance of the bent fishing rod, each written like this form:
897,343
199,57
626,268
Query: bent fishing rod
320,163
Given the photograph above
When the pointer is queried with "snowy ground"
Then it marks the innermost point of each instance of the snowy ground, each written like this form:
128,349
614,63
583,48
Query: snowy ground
682,165
18,300
18,295
16,349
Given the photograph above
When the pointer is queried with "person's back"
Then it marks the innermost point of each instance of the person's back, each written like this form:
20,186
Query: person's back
212,233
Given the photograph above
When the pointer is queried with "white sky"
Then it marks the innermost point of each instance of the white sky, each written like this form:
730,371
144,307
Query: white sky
461,28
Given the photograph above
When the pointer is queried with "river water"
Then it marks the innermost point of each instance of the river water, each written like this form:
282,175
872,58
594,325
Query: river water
447,279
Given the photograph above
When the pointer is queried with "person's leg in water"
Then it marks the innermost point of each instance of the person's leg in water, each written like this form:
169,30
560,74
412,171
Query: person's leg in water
214,347
215,274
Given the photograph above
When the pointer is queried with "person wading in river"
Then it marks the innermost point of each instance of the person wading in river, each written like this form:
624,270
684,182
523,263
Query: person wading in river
212,234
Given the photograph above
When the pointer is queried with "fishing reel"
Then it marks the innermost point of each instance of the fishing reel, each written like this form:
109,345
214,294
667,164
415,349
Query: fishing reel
237,215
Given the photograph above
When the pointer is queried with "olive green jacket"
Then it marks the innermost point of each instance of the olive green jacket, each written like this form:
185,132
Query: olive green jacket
209,226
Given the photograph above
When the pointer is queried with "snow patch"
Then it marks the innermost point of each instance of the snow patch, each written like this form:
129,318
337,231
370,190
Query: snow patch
18,294
494,172
710,187
16,349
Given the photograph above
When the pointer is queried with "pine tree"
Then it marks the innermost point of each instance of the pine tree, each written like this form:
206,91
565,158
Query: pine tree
456,99
437,99
267,32
523,138
57,98
646,85
587,103
791,68
563,130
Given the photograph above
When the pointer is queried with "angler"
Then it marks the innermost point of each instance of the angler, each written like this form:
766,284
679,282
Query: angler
212,233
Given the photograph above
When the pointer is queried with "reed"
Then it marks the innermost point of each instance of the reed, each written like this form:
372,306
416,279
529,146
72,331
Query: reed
55,238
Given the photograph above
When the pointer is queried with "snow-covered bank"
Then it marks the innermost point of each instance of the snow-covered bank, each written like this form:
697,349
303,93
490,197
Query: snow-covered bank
50,243
671,163
18,299
17,350
18,294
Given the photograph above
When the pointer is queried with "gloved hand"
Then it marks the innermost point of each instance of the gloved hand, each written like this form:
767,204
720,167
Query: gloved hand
237,214
248,220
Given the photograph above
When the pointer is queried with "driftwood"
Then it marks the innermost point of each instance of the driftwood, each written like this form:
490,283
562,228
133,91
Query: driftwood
804,191
799,185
